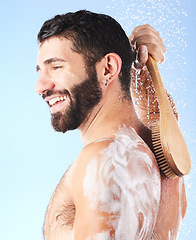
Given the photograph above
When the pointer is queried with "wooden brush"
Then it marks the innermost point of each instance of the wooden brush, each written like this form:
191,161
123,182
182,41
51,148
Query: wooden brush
169,145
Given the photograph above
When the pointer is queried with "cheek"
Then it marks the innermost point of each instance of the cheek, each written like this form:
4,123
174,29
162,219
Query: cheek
67,79
63,79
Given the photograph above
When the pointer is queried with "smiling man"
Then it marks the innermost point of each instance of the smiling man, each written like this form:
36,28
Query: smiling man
74,92
114,189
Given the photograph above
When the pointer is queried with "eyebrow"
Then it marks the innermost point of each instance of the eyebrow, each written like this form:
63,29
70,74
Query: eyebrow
49,61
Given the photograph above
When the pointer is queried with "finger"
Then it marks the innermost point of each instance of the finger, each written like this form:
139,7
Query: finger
141,57
142,54
156,53
147,33
131,37
146,40
146,30
144,27
151,43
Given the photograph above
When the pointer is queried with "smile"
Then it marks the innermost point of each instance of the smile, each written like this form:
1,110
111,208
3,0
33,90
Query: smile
56,100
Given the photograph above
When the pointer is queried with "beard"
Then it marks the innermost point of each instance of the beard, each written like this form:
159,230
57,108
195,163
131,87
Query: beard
83,98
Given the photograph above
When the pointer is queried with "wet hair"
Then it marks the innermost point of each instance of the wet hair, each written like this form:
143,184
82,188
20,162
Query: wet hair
93,35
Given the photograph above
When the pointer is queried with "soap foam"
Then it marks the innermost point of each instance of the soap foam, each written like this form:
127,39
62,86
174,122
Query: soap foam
125,183
105,235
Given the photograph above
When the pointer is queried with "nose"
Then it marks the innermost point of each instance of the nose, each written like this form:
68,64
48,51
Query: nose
44,84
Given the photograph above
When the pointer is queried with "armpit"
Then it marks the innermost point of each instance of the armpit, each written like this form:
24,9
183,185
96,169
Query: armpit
59,217
66,215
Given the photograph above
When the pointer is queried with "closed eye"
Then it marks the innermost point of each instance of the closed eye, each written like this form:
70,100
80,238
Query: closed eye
56,67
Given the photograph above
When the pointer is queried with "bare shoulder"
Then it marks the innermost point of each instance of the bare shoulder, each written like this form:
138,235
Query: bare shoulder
77,170
117,180
126,149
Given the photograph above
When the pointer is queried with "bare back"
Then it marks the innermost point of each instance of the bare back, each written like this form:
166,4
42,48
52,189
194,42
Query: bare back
116,195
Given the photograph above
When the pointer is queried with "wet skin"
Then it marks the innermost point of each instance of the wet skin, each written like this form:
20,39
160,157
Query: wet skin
69,211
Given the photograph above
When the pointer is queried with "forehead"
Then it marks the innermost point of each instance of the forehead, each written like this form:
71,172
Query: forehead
55,47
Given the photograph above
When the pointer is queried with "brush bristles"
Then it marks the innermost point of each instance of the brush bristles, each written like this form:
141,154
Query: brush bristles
159,154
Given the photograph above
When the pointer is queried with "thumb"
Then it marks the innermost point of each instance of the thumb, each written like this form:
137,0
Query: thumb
141,57
142,54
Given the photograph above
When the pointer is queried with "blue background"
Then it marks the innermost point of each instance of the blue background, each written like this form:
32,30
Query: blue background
33,157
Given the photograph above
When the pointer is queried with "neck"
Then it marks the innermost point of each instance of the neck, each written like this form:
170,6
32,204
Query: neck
113,111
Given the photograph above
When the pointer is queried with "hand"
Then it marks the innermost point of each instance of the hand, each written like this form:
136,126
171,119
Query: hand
146,40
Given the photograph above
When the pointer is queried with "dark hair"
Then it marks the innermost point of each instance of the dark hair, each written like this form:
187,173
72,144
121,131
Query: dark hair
93,35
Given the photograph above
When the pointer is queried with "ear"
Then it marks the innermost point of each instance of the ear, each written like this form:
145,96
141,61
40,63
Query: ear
109,68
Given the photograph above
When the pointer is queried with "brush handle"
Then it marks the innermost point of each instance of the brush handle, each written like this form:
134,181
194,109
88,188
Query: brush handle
158,84
171,141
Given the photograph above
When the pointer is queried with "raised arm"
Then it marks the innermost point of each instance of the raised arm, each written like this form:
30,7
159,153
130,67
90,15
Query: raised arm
173,193
145,40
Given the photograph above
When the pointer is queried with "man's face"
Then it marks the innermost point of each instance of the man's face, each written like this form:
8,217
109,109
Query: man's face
70,89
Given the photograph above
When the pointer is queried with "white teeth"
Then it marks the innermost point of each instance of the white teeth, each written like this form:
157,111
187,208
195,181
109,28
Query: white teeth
56,99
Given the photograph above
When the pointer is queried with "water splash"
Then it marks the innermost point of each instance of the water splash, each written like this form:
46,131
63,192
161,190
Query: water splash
166,17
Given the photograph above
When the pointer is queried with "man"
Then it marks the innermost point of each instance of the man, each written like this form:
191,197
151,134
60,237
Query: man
114,189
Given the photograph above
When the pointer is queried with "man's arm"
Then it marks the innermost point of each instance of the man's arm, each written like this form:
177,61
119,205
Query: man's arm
116,192
174,207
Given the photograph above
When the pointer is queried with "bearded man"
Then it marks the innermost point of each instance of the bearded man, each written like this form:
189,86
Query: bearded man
114,189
